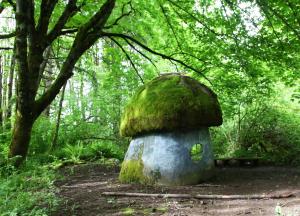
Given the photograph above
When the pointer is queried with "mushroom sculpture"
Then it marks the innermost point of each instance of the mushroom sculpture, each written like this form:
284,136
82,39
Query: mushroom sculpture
168,120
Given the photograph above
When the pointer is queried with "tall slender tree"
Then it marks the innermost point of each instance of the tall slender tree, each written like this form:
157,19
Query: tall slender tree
1,87
10,88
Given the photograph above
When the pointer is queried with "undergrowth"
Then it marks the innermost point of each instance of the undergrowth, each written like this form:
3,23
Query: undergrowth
28,191
270,133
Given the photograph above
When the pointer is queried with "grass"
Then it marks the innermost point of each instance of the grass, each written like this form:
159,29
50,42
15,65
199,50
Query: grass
28,191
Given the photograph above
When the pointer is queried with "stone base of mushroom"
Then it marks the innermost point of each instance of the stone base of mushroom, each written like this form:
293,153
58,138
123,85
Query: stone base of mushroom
169,158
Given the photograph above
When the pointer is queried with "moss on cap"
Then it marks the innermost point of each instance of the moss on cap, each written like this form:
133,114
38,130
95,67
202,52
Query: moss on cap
170,102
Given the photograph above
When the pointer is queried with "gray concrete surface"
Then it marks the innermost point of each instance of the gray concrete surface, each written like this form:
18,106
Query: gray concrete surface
166,156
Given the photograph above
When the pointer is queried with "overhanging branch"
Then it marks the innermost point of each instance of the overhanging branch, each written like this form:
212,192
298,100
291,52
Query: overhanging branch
141,53
6,36
70,10
121,16
281,18
124,37
128,57
47,8
170,25
6,48
205,25
84,40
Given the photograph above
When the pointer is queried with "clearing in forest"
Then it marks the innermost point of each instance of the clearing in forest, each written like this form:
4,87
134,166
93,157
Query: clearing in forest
83,187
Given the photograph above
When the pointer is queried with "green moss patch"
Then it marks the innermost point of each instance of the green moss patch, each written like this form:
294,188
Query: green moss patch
170,102
132,171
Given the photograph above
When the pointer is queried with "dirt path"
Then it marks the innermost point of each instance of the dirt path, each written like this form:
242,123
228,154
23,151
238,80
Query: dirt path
83,185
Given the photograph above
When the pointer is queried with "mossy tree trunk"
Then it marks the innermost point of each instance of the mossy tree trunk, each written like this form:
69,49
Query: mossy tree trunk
32,39
21,137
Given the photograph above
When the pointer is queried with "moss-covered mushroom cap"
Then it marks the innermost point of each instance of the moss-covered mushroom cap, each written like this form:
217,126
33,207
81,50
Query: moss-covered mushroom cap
170,102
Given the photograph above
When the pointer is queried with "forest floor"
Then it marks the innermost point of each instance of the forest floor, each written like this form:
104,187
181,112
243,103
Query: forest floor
83,185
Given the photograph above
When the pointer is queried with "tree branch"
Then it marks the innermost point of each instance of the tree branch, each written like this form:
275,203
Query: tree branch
47,8
170,25
69,31
6,36
280,17
97,22
191,55
21,38
6,48
141,53
121,16
70,10
84,40
128,57
296,13
88,34
205,25
30,19
123,36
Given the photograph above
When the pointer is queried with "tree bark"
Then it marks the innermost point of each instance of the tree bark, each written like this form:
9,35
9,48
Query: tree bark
82,99
4,90
31,42
21,138
1,76
55,135
46,74
10,88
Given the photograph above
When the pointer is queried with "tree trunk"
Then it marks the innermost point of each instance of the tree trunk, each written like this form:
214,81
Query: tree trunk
55,135
21,138
46,75
1,108
4,91
10,88
32,39
82,99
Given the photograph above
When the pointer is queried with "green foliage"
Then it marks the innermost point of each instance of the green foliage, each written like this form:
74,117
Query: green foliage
272,133
170,102
89,152
28,191
41,136
244,51
196,152
276,134
5,137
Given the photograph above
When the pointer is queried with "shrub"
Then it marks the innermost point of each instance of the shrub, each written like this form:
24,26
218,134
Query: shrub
90,151
269,132
28,191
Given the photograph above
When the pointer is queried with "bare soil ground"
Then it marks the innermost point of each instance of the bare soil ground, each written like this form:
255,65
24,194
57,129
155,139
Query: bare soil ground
82,187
